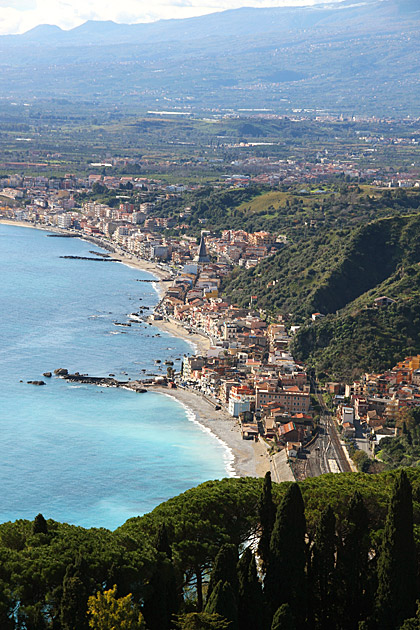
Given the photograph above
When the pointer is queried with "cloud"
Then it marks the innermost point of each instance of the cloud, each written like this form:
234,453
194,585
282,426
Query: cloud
18,16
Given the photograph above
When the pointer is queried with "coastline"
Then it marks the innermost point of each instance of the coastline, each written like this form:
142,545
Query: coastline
247,458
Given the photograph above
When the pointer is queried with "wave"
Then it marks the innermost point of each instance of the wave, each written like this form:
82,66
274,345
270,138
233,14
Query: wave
228,455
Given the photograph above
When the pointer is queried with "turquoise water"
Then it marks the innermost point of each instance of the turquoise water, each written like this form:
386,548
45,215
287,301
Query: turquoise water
86,455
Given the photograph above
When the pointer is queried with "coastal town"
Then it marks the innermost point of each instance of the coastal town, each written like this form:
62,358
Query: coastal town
244,365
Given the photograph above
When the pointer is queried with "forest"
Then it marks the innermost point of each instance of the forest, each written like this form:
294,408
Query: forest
338,551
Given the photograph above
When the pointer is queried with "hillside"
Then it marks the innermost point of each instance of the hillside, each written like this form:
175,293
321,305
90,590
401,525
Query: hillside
339,273
326,272
352,57
343,346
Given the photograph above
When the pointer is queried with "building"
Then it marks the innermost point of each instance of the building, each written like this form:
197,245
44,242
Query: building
64,221
202,256
239,400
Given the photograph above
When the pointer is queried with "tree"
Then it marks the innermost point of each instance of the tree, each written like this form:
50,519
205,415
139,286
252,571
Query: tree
39,525
397,566
353,565
323,579
201,621
75,596
222,602
162,541
267,515
413,623
283,619
285,581
162,600
106,612
224,569
250,596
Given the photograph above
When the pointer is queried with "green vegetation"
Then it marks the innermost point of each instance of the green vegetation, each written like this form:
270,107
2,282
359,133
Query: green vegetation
177,565
403,450
328,271
339,273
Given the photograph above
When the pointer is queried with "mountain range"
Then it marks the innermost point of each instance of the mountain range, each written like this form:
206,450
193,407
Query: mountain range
356,57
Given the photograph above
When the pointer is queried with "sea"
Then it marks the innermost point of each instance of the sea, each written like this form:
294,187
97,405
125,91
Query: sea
87,455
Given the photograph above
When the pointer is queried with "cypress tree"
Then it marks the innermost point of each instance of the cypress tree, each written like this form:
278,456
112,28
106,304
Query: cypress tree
397,565
323,579
251,609
162,601
224,569
162,541
355,594
267,516
73,609
222,601
283,619
39,526
285,581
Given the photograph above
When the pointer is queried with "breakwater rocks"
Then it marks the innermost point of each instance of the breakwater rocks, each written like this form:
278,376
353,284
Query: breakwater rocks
36,383
61,372
105,381
100,254
140,387
90,258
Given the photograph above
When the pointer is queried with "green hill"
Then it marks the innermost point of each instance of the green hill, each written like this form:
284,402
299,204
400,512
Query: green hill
327,272
339,274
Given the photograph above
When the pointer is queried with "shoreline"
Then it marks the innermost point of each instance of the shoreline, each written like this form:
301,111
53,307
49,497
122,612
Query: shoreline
247,458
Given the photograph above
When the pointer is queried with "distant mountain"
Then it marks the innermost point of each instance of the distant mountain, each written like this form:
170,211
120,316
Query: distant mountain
352,56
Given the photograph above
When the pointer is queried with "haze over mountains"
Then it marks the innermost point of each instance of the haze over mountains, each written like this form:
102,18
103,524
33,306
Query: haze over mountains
355,57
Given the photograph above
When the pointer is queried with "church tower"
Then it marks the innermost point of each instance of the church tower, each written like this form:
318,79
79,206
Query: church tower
202,256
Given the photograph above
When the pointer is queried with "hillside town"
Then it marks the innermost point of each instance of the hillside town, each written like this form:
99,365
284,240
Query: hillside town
375,402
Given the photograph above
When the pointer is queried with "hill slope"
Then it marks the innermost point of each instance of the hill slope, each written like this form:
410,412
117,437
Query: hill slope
326,272
340,274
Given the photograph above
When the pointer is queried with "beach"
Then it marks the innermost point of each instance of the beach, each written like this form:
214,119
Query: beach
248,458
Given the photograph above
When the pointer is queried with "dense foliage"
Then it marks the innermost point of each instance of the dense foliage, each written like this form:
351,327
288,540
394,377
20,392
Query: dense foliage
339,274
326,272
176,561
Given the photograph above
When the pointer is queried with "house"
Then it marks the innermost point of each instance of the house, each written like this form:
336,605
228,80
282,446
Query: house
249,431
239,400
288,432
348,429
347,415
293,448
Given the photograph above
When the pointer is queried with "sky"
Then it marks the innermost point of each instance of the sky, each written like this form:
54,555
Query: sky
18,16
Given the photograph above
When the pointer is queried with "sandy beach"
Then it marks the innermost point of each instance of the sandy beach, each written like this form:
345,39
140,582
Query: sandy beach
26,224
250,459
